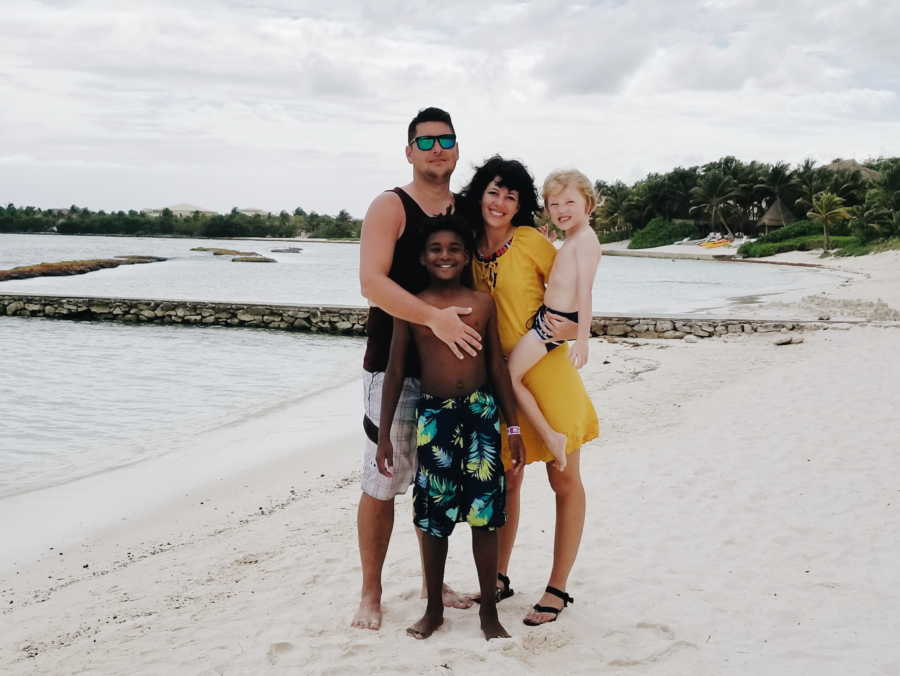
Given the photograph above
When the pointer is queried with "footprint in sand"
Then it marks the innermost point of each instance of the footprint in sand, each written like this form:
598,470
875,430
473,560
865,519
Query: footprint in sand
544,641
659,638
278,650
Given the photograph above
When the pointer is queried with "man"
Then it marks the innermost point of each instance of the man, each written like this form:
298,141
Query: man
390,275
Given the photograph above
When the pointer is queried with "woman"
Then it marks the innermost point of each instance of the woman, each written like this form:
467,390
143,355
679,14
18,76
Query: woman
513,263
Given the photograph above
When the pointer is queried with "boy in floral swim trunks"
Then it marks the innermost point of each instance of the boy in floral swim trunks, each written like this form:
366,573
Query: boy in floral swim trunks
460,474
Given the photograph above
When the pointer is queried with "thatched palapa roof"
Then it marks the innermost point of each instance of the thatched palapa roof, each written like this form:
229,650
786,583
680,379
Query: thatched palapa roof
777,215
853,165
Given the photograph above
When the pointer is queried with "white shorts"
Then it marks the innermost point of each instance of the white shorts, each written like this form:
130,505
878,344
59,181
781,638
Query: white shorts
403,438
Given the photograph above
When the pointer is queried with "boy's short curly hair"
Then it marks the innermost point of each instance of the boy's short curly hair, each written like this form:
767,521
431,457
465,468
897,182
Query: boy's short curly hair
562,178
451,222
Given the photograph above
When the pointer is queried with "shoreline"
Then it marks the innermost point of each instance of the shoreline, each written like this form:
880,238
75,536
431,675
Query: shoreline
60,514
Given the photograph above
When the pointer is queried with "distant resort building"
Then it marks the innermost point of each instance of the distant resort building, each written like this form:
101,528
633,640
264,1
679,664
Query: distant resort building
180,211
187,210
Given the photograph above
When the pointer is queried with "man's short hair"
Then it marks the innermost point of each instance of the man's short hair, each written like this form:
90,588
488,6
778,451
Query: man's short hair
428,115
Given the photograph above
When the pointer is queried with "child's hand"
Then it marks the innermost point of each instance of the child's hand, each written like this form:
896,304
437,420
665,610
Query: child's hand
516,452
384,457
547,232
578,355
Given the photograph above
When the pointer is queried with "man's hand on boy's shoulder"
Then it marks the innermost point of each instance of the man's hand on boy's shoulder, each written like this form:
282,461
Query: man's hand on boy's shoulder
516,452
384,457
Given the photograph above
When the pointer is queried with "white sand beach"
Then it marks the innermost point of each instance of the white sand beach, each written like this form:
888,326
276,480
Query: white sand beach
743,505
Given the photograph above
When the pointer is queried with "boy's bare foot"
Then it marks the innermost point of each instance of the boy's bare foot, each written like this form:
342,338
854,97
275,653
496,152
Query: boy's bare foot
425,627
490,624
451,598
368,615
556,444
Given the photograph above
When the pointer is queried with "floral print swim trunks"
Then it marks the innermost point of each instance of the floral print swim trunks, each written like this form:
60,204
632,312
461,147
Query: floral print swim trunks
460,473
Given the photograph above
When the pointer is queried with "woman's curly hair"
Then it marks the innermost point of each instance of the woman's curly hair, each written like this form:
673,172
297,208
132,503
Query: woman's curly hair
510,174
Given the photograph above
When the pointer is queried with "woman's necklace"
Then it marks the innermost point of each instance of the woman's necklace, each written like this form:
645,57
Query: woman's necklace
489,262
486,254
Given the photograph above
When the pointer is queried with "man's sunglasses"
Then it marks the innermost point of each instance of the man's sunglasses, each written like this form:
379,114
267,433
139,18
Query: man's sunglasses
447,141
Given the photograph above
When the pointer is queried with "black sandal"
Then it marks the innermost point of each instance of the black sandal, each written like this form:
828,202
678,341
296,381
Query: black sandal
566,599
503,592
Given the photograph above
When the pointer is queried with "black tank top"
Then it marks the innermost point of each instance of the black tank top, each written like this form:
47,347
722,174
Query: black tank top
406,271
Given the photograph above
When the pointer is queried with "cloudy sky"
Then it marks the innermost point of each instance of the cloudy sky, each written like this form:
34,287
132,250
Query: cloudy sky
282,103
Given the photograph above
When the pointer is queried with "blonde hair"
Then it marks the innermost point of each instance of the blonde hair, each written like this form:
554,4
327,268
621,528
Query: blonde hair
561,178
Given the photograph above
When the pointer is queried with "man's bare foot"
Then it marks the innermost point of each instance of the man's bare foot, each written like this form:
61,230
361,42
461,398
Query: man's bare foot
426,626
490,624
452,599
556,444
368,615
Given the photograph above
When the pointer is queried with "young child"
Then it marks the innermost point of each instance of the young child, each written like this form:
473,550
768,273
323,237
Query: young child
460,473
569,199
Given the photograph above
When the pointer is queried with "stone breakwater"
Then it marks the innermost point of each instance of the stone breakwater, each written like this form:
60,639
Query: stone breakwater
331,319
343,320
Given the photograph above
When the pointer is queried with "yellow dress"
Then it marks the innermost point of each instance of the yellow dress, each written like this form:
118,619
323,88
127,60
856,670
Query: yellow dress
516,277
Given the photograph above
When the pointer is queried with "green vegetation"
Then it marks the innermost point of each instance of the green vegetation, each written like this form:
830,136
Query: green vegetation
613,236
73,267
829,210
761,249
857,248
793,230
80,221
733,196
660,232
796,236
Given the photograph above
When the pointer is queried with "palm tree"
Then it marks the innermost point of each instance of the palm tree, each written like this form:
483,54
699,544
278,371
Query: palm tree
879,215
810,181
713,194
617,209
849,185
778,184
829,210
654,198
679,183
747,200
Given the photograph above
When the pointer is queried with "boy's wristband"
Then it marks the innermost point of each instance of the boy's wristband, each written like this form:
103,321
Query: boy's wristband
513,429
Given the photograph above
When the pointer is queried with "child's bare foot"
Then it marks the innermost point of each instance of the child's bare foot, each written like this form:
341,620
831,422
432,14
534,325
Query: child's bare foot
426,626
451,598
368,615
490,624
556,444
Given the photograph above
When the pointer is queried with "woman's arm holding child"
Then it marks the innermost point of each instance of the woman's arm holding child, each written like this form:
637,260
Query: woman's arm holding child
390,396
499,377
587,258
